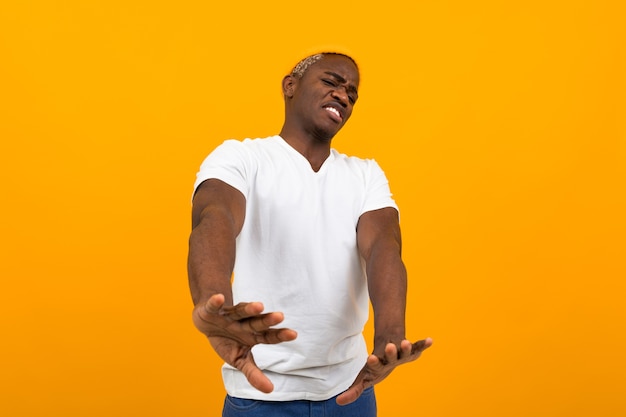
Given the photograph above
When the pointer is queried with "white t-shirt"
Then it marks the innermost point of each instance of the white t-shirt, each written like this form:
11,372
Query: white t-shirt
297,254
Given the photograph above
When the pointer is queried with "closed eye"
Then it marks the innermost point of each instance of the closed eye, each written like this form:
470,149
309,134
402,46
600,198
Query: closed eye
335,84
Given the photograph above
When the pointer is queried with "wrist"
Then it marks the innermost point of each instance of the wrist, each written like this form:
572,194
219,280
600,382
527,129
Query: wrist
388,336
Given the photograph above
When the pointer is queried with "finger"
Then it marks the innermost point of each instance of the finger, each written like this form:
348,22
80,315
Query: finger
202,312
350,395
375,364
421,345
391,353
242,311
274,336
254,375
214,303
262,322
362,381
405,350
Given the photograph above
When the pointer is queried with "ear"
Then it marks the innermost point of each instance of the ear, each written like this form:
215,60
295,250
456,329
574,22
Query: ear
288,86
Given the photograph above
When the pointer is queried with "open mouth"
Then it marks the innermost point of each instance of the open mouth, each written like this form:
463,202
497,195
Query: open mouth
334,112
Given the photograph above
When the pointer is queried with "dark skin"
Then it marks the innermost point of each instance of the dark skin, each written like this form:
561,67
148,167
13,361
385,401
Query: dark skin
317,106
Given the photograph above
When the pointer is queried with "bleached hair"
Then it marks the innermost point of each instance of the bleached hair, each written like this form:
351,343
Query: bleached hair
301,67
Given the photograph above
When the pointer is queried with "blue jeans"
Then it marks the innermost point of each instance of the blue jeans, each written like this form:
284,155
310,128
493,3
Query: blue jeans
364,406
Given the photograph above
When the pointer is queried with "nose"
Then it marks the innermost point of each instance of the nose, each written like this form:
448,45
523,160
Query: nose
341,95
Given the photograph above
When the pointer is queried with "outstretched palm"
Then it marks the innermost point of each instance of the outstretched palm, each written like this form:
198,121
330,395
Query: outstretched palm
378,368
233,331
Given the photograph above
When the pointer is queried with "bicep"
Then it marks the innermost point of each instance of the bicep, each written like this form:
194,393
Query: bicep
378,227
213,196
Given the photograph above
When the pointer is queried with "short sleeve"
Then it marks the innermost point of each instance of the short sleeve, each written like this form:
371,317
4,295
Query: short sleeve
377,195
229,162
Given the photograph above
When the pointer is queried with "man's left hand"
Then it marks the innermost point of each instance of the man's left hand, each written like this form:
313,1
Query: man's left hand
378,368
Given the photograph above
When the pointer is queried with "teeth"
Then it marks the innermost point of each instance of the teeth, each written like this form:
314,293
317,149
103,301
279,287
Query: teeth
334,110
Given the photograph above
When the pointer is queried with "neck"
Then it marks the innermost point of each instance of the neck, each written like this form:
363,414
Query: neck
315,150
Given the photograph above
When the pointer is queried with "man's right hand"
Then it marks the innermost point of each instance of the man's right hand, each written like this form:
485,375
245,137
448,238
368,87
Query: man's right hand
233,331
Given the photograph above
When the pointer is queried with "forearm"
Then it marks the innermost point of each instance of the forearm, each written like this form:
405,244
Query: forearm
211,256
387,284
380,244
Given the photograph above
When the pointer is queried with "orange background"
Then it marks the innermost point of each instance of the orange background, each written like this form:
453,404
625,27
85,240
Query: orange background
501,126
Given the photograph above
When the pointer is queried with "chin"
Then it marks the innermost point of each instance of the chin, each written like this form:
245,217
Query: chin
325,135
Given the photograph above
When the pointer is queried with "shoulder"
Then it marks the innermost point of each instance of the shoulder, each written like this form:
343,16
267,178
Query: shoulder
257,147
366,166
240,149
233,161
247,144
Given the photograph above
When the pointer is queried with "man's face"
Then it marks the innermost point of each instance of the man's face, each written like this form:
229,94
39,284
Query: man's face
323,98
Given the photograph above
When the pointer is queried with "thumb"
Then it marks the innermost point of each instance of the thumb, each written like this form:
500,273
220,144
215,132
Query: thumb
350,395
255,376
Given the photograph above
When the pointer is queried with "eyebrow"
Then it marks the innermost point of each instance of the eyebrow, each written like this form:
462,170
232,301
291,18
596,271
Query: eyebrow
339,78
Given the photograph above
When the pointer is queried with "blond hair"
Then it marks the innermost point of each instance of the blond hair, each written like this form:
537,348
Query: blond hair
301,67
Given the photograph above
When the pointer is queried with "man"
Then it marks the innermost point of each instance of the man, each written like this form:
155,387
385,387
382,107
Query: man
310,234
